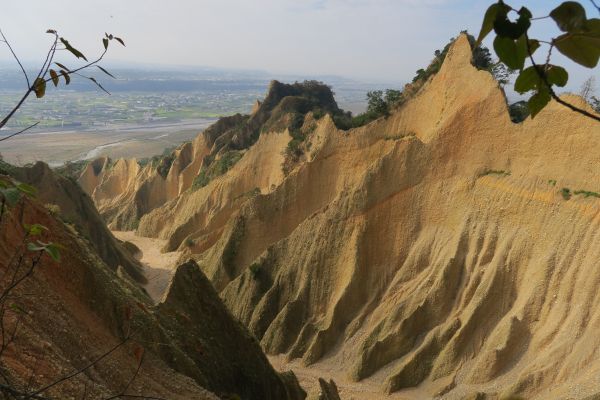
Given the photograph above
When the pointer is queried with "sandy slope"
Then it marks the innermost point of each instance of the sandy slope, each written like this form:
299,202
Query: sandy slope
158,267
430,251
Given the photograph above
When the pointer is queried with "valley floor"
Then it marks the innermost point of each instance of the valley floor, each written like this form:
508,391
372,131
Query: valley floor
159,267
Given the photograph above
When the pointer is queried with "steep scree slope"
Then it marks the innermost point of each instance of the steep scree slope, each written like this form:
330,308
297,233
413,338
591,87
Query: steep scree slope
430,249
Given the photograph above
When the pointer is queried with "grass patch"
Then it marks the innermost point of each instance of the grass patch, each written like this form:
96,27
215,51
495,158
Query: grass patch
495,172
586,193
552,182
566,193
216,168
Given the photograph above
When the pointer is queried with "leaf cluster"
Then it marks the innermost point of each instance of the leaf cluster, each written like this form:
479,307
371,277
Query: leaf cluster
579,41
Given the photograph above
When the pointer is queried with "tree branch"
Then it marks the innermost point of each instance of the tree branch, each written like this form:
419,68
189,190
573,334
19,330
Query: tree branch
15,57
18,133
543,77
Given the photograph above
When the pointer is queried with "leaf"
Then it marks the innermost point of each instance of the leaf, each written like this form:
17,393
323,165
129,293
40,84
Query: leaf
106,72
34,247
72,49
53,251
27,189
508,52
99,85
18,309
569,16
52,31
488,20
65,74
105,43
62,66
39,87
527,80
35,229
54,77
556,75
513,30
11,195
538,101
533,45
120,41
583,48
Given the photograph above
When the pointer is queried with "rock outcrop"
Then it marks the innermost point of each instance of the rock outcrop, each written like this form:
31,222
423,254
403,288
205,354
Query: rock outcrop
443,247
73,311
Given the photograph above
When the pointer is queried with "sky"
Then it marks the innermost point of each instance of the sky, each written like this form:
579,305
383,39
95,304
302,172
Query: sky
369,40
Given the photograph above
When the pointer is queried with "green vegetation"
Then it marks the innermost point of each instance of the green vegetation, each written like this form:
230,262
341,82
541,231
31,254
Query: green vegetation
586,193
189,242
254,270
216,168
495,172
566,193
381,103
518,111
514,46
552,182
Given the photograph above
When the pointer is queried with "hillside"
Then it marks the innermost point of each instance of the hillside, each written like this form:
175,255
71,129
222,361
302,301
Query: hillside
442,251
71,312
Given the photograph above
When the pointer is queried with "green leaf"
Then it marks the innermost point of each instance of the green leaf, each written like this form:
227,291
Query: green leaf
488,20
106,72
18,309
533,45
3,184
35,229
54,77
120,41
53,250
27,189
34,247
556,75
538,101
65,75
99,85
527,80
569,16
62,66
11,195
39,87
508,52
72,49
583,48
513,30
105,43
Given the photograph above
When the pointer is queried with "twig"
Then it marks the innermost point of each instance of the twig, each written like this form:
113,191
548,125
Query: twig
5,40
596,5
18,133
82,370
122,392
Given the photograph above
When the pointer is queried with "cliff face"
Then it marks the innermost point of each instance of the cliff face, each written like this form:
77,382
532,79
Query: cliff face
73,311
442,248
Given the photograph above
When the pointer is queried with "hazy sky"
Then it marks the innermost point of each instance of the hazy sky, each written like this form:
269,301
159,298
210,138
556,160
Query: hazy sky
384,40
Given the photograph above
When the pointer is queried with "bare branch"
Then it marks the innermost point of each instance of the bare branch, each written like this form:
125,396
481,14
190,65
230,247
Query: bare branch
122,392
18,133
81,370
5,40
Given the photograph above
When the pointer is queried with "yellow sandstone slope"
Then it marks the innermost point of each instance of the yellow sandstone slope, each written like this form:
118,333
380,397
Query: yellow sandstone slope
432,252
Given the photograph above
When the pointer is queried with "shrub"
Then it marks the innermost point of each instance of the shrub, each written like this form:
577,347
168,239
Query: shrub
189,242
566,193
552,182
586,193
254,270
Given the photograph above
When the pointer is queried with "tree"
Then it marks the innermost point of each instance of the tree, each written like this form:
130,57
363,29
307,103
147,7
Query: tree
588,89
26,258
47,73
376,103
579,41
